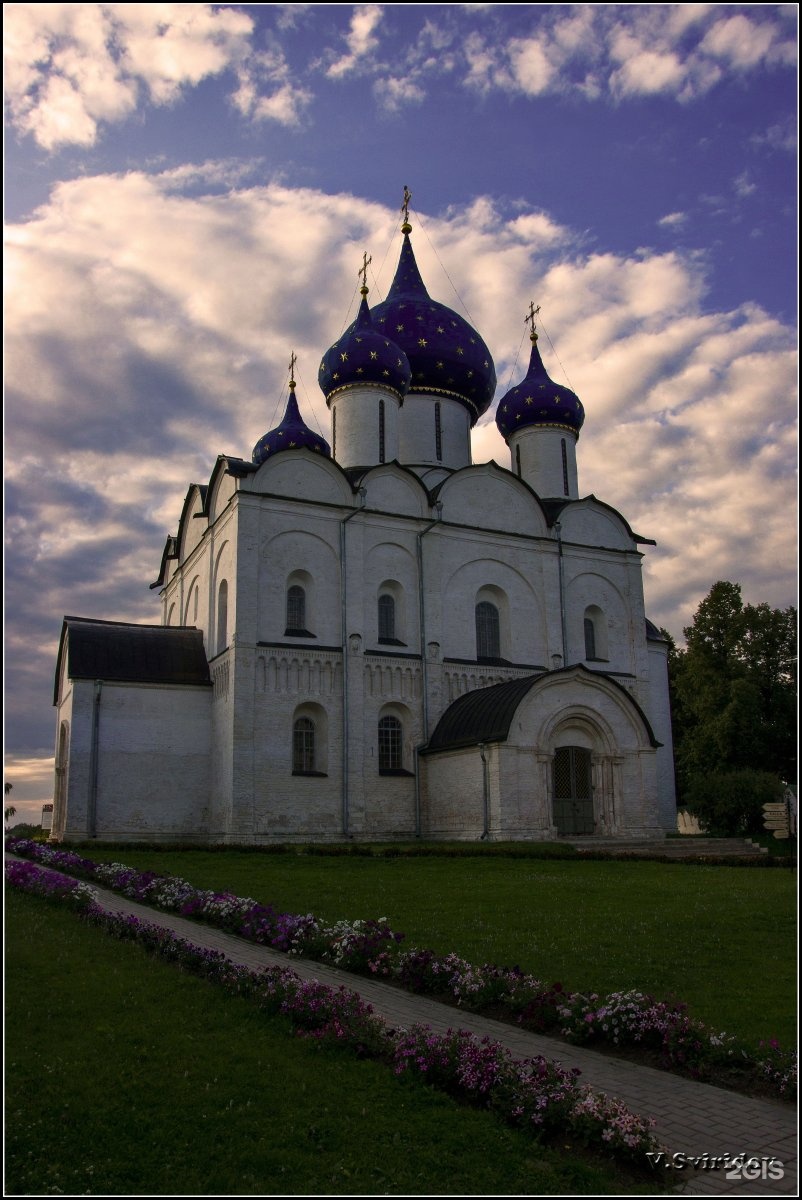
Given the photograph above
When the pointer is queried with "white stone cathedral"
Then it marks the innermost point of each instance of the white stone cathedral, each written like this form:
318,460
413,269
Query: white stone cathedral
379,639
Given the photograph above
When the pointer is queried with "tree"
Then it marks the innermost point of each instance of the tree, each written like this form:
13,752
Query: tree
733,690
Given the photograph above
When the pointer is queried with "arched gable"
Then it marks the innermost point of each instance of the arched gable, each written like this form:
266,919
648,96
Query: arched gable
392,488
222,486
301,475
193,523
560,703
523,632
488,497
591,522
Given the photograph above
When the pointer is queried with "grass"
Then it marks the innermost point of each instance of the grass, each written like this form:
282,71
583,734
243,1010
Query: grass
720,938
125,1076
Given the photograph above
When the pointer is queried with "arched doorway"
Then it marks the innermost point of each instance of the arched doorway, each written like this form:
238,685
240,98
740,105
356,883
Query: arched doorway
573,791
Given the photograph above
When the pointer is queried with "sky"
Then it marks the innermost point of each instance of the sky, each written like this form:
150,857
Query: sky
189,190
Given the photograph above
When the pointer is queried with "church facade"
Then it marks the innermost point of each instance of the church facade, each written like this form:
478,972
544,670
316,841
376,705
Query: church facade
378,639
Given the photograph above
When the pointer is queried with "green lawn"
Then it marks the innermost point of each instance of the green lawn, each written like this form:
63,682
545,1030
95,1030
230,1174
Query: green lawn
125,1076
721,938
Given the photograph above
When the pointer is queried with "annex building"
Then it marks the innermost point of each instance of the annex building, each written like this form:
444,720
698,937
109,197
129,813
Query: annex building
379,639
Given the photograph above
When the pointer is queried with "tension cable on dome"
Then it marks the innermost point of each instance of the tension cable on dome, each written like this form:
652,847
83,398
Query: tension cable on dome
529,319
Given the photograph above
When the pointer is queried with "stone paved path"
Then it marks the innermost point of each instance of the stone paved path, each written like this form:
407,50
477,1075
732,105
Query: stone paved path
693,1119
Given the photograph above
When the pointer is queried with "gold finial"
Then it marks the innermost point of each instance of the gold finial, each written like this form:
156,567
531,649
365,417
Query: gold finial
293,361
363,272
406,227
529,319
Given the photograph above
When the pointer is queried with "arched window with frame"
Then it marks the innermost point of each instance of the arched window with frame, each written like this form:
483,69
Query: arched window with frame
391,734
488,631
387,618
296,610
595,631
303,746
590,638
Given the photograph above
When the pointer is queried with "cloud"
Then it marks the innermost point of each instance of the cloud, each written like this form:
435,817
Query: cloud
133,360
360,40
266,91
744,186
615,53
73,68
673,220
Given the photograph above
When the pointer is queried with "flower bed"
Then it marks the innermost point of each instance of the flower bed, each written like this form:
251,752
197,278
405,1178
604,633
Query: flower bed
533,1094
622,1021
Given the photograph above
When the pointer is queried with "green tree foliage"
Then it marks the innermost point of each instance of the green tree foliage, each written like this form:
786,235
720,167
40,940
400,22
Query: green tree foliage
733,691
730,803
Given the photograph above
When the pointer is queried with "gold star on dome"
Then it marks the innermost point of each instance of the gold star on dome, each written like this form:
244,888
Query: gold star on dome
453,324
399,328
504,409
398,363
470,374
359,339
292,445
440,329
344,356
460,350
360,370
322,366
385,372
336,375
439,365
374,354
422,342
419,317
528,400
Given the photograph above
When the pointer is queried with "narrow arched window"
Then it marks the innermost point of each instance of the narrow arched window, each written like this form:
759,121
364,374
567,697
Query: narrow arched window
386,619
381,431
438,432
590,638
296,609
222,616
488,631
303,746
390,743
565,466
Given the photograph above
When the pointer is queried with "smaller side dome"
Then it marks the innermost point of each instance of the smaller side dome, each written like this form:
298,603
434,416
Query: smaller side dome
363,356
291,434
538,400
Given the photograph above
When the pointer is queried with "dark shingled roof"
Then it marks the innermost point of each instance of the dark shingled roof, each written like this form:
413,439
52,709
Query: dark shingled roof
123,653
483,715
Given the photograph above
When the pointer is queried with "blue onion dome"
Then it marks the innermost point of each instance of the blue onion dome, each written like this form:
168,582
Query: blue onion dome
291,434
538,400
362,356
446,354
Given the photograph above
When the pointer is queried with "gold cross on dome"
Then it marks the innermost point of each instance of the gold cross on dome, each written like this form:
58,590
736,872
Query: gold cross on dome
293,361
529,319
405,205
363,270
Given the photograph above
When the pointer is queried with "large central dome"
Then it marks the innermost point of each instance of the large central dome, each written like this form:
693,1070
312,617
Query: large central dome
446,354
